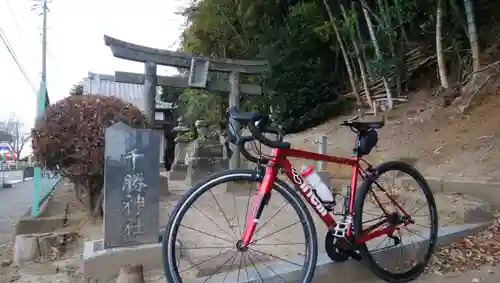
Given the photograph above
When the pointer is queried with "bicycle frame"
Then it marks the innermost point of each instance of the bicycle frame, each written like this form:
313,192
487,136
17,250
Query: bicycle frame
279,161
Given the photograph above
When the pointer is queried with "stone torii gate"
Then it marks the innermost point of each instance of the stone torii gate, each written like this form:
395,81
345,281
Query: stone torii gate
198,67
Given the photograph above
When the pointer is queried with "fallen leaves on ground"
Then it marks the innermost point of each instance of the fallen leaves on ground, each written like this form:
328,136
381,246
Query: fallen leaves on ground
470,252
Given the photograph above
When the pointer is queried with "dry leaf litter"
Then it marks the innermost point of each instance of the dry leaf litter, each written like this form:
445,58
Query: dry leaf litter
469,253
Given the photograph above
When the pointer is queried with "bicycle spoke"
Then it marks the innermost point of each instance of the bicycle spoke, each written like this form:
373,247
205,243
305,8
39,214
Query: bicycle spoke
267,235
378,201
246,270
269,219
273,256
270,269
213,221
202,232
203,248
239,269
255,267
210,258
375,219
227,220
280,244
414,233
227,273
236,211
423,226
220,267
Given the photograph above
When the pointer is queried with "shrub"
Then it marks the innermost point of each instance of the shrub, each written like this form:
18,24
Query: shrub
69,139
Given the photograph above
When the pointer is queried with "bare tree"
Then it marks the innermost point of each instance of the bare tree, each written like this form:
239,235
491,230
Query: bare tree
11,132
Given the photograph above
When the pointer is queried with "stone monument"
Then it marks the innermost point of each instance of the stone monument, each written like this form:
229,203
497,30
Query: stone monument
131,186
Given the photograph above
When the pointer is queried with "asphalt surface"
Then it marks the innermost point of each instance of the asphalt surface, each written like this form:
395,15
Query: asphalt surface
15,202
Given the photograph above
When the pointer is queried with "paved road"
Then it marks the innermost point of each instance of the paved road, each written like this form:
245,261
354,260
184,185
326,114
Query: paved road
15,202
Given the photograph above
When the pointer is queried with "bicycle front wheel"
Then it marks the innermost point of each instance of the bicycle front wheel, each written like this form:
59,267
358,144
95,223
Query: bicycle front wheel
209,248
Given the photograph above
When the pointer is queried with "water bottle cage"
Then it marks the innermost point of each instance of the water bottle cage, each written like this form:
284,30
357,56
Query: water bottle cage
329,205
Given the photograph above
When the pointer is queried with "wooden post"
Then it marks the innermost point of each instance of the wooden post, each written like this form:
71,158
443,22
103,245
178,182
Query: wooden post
234,100
150,84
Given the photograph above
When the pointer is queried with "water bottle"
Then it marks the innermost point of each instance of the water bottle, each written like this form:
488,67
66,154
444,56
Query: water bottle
317,185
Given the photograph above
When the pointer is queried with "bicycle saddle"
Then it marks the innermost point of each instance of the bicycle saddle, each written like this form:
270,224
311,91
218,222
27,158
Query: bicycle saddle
362,125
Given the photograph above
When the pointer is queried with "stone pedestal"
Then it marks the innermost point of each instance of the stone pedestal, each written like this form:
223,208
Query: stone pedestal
205,160
178,172
131,274
207,156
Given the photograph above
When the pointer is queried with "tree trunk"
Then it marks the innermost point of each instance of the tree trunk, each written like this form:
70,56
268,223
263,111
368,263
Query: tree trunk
361,64
369,70
377,50
474,46
401,21
344,53
388,26
443,74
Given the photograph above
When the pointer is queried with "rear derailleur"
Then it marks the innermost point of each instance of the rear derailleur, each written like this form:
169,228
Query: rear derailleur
340,249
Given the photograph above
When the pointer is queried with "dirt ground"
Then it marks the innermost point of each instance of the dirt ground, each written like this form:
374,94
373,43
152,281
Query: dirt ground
68,268
446,144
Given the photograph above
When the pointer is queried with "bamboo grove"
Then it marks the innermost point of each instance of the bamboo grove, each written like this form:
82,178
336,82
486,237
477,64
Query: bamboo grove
327,54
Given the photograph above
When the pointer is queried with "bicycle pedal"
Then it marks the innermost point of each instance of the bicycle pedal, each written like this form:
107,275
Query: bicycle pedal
340,230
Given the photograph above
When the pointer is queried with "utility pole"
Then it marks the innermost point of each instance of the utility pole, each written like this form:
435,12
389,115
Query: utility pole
44,44
40,107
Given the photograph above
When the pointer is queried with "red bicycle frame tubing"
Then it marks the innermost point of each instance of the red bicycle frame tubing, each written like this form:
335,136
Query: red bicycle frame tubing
279,160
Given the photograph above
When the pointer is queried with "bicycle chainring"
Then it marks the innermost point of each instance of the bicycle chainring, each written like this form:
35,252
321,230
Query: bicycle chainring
335,248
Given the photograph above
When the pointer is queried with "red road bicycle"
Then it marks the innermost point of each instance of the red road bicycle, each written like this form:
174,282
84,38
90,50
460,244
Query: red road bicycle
346,238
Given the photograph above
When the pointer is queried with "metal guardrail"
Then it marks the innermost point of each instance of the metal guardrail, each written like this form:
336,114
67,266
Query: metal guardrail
18,165
42,187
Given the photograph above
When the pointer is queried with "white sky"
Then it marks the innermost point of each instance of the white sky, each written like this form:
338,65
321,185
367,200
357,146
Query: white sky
76,44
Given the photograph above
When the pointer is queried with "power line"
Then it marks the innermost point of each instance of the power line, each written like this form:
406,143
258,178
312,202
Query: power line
19,30
32,55
16,60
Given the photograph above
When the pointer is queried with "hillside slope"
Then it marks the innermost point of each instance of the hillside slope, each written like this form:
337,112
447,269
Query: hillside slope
445,143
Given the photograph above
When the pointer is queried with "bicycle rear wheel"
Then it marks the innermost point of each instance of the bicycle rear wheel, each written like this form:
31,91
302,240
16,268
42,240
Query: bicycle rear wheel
226,235
387,199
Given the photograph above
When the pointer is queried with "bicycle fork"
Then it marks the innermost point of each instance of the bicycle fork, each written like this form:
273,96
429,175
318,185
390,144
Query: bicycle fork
259,201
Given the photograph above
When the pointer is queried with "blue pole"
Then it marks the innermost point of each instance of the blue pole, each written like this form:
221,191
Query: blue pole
40,107
37,180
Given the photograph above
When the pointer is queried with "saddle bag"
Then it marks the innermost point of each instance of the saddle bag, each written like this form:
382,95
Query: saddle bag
367,140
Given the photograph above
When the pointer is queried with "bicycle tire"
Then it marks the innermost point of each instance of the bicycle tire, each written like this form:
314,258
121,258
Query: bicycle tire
170,234
366,257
